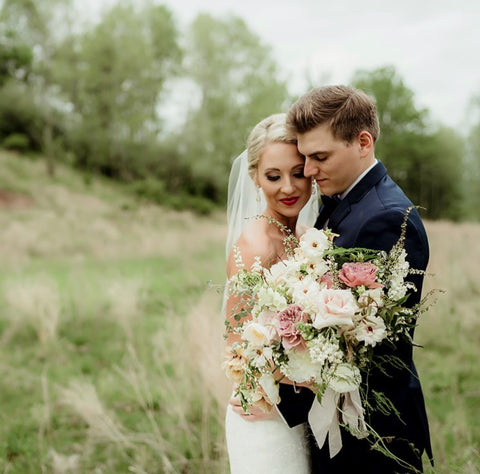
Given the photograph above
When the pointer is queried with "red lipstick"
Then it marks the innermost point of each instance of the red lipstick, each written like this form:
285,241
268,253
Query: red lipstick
289,201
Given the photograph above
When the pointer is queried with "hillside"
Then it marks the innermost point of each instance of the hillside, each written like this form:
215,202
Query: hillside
111,337
96,292
72,217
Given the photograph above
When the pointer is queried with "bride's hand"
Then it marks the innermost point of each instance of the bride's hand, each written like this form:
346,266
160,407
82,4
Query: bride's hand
255,414
309,385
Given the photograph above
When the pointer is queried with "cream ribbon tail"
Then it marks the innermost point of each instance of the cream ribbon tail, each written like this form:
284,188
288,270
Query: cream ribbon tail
324,418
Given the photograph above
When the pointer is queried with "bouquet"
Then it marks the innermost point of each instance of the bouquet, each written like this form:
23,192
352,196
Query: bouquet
315,317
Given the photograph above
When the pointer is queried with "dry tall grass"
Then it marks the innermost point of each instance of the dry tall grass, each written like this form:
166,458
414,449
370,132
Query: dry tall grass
450,336
170,377
33,302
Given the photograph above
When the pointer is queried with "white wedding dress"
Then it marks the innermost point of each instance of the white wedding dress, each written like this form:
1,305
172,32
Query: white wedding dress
265,446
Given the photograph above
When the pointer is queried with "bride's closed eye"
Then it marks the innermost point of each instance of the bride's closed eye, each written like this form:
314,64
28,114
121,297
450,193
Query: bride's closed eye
273,178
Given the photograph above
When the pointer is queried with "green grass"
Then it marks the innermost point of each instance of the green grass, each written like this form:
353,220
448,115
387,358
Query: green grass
129,379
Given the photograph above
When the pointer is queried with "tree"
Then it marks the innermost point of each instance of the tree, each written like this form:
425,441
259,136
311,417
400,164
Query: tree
426,162
36,30
238,84
15,56
119,69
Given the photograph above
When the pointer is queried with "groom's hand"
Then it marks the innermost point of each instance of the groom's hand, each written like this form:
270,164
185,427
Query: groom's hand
255,414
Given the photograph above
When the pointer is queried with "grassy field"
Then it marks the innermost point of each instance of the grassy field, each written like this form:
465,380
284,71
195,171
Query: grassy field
111,335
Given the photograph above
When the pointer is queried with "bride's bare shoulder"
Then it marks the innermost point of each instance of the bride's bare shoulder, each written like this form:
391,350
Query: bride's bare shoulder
253,242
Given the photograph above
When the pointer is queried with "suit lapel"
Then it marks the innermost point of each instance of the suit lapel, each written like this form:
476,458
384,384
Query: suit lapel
342,211
356,194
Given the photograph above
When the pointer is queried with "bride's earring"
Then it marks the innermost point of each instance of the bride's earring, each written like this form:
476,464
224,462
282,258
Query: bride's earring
314,190
259,199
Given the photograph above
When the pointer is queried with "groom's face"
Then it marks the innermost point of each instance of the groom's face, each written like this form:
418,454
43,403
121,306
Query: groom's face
333,163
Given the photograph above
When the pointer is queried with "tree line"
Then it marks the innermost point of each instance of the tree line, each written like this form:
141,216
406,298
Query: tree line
98,96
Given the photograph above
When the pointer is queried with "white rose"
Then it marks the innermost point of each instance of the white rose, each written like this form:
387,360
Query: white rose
256,334
335,308
271,387
275,274
267,319
269,298
301,368
346,378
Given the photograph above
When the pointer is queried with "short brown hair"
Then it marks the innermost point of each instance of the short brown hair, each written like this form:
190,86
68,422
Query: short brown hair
346,110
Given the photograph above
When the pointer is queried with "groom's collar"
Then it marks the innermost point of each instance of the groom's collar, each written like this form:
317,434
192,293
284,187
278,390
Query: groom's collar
356,194
366,183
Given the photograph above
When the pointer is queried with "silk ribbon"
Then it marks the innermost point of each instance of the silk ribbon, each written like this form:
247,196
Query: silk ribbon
324,418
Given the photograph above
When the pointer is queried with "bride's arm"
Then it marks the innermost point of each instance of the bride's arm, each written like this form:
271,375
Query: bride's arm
234,303
251,245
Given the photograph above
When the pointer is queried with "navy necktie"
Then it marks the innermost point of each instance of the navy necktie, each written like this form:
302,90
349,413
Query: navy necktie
329,205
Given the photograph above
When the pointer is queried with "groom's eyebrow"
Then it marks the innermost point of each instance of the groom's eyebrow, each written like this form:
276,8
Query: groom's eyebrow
317,154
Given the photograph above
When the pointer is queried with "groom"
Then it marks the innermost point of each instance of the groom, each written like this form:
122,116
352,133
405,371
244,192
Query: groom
336,128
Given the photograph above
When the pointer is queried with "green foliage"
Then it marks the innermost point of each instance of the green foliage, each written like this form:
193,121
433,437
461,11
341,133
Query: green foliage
93,95
15,56
115,84
157,191
16,141
426,164
238,84
20,114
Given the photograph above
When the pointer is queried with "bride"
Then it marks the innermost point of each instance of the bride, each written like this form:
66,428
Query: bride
267,179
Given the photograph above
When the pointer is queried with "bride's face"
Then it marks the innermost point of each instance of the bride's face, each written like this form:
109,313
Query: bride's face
280,175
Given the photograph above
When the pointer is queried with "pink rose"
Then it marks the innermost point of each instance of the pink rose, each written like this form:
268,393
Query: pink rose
327,279
287,327
335,308
358,274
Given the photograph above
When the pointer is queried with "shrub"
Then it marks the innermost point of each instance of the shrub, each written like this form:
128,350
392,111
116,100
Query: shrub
17,142
156,190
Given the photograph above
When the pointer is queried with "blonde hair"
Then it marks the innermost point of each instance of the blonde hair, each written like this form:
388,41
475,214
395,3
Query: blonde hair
346,110
270,130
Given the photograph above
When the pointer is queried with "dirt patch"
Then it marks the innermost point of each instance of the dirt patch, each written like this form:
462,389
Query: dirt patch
9,200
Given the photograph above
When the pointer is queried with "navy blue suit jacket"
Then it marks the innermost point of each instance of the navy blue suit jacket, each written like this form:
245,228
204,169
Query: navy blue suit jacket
371,216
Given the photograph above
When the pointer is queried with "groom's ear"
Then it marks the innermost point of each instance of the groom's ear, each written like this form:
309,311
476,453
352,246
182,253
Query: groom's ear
366,142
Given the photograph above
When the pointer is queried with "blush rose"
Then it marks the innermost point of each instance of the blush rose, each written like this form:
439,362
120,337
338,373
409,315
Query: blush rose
336,308
287,327
359,274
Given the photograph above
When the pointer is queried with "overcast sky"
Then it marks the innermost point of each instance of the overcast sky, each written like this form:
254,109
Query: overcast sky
433,44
